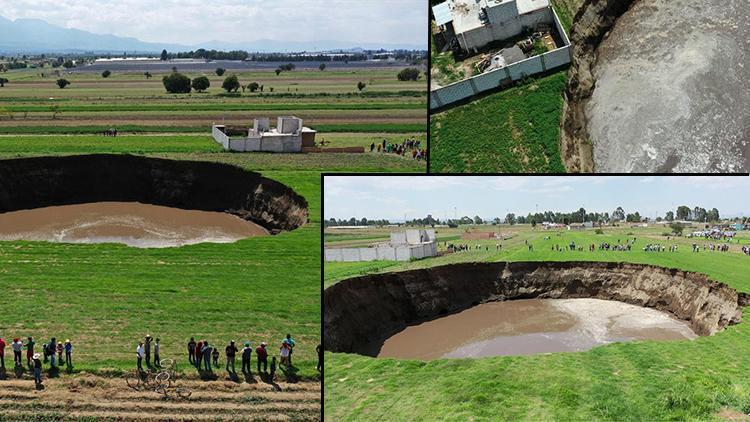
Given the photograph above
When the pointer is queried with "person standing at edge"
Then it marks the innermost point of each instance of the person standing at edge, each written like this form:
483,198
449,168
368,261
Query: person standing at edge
2,353
17,346
157,360
29,351
231,352
290,342
247,353
206,355
37,369
148,350
139,355
198,354
68,353
191,350
262,356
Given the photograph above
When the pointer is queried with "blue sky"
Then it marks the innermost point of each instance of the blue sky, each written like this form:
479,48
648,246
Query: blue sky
393,197
194,21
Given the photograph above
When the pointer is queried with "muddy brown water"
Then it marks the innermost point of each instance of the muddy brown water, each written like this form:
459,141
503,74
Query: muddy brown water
522,327
130,223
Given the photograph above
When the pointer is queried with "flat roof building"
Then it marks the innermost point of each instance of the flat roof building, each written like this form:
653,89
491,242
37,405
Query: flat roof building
289,135
477,23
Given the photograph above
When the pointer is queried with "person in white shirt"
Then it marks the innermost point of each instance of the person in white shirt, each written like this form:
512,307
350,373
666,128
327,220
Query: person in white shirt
139,351
17,346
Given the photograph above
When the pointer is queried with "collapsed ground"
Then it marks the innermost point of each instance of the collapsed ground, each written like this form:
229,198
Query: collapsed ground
700,379
106,297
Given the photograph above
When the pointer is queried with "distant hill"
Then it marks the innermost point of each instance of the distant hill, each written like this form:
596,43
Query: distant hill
38,36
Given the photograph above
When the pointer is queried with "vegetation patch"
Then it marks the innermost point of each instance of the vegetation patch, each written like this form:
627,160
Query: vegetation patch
516,130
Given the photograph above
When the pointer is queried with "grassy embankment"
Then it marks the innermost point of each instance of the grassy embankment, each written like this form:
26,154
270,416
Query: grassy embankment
646,380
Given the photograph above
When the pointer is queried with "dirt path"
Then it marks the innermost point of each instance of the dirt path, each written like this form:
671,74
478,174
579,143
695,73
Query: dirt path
90,396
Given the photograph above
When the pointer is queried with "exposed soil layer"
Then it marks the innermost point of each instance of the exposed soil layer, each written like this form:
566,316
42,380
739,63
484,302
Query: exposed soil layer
28,183
362,312
528,326
89,397
129,223
593,20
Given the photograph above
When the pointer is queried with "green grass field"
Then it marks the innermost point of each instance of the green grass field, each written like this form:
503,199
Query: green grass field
513,131
703,379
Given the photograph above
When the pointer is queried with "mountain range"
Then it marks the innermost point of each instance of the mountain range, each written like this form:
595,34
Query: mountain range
38,36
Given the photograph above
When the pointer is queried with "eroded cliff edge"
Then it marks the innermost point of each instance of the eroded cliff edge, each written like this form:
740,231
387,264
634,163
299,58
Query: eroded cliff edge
591,23
27,183
361,312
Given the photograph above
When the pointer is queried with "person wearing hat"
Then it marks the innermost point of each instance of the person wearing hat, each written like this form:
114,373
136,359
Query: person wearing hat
37,368
191,350
17,346
139,354
29,350
231,352
148,350
157,360
247,352
262,356
68,353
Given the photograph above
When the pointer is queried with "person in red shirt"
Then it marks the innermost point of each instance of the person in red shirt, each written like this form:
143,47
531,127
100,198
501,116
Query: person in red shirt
198,354
262,356
2,353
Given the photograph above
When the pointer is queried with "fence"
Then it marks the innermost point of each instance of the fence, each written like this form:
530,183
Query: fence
470,87
382,253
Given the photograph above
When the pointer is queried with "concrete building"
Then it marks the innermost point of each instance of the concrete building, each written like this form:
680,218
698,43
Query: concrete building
477,23
403,246
289,135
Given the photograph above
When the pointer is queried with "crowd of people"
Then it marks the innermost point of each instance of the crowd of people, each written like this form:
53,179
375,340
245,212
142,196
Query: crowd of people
724,247
205,356
407,146
52,352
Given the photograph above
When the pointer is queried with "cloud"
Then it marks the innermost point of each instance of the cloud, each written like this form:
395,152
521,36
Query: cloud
196,21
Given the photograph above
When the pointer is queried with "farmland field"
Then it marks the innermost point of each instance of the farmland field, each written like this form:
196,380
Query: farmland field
105,297
513,131
328,101
702,379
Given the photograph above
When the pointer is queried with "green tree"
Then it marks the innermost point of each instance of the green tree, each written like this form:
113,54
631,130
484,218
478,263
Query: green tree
278,71
478,220
220,71
176,83
68,64
164,55
231,83
106,74
201,83
322,67
676,228
713,215
253,86
510,219
148,75
618,214
683,212
62,83
3,81
669,216
361,85
408,74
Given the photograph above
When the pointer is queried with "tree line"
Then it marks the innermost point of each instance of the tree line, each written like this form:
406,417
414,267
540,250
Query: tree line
682,213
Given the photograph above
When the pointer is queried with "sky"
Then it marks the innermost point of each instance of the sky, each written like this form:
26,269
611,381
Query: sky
397,197
190,22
